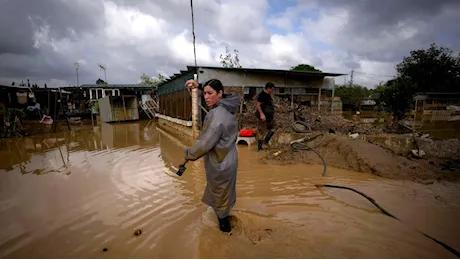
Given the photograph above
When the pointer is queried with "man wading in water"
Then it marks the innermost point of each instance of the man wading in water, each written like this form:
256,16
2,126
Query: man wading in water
217,145
265,116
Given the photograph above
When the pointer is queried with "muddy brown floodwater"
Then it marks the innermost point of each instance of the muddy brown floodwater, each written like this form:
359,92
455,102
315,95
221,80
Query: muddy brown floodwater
70,195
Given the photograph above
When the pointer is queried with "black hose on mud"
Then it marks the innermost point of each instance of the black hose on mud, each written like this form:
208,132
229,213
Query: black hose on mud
301,145
453,251
305,124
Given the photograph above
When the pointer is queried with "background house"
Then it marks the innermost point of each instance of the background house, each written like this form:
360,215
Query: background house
437,106
82,97
312,88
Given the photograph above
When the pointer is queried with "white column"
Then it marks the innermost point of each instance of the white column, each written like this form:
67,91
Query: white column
195,113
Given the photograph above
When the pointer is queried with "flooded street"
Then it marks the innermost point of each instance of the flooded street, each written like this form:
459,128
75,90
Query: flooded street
69,195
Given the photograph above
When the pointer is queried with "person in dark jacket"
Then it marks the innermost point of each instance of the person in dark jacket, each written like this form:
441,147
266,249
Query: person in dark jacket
217,144
265,113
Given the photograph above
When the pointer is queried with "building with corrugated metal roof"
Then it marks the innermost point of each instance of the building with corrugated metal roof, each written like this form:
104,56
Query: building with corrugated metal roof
176,103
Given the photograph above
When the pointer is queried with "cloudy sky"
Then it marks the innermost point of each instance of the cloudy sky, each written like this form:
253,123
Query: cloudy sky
42,39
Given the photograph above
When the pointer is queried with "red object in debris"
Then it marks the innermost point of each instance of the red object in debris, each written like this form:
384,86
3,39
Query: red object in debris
247,132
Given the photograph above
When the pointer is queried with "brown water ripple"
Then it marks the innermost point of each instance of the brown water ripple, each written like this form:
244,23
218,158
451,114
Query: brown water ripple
116,178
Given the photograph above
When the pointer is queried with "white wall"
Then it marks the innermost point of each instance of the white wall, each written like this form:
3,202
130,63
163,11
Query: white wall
240,78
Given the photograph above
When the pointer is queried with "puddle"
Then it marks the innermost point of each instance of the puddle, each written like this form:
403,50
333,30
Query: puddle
69,195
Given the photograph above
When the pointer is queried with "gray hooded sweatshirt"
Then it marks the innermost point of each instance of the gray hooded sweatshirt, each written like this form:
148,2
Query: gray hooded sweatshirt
217,144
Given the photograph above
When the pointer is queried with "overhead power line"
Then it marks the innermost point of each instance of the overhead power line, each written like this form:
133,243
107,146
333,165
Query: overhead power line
372,74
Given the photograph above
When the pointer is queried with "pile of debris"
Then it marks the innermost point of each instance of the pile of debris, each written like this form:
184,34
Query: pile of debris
286,116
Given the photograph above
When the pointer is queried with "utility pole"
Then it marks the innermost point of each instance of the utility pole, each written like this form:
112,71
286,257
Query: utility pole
76,68
351,78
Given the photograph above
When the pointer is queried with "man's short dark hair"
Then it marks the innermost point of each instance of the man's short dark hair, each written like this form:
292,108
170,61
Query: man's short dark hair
269,85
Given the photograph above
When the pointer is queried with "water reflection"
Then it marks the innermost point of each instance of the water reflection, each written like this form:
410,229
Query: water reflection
72,194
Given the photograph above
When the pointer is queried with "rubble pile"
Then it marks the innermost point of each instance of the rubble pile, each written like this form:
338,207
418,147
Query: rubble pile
449,149
318,122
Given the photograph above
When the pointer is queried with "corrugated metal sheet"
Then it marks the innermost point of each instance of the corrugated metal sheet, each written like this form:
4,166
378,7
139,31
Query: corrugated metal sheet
272,71
175,85
304,74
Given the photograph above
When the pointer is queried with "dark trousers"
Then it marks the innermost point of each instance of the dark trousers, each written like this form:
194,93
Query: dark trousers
263,127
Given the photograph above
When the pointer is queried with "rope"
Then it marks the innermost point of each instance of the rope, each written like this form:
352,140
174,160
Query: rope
194,53
193,33
450,249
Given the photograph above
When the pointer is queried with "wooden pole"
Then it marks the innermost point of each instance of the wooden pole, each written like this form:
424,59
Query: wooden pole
177,105
124,107
415,115
66,118
319,101
49,103
55,112
242,97
332,101
292,105
184,96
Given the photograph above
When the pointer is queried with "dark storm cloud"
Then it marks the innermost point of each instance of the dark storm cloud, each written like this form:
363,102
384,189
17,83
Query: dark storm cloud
70,22
19,19
369,16
76,32
435,21
15,31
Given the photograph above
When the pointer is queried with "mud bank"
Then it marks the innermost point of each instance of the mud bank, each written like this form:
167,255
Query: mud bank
363,156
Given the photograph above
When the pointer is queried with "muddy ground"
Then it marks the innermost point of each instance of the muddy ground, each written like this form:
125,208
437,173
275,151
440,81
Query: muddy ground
441,162
358,155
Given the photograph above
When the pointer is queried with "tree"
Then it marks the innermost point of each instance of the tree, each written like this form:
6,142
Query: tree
305,67
432,70
154,81
100,82
352,95
229,61
12,125
397,97
146,79
377,92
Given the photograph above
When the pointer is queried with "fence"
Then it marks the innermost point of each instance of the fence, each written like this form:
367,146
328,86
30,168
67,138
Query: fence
440,115
177,105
